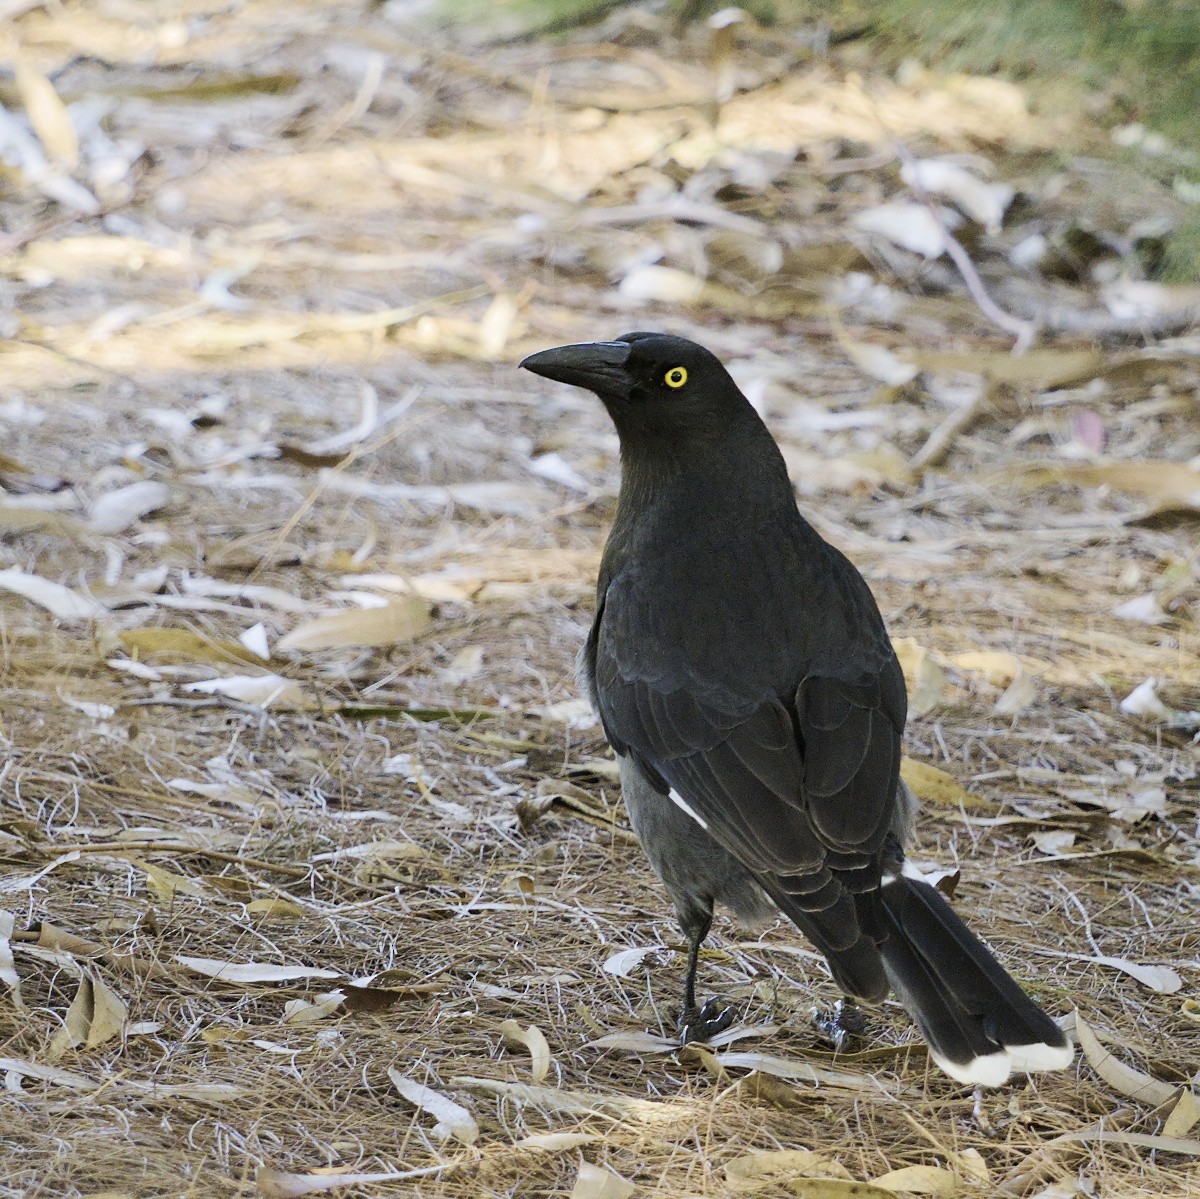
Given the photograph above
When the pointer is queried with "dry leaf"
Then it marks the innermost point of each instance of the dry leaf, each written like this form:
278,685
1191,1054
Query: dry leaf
185,644
923,676
123,508
47,113
781,1067
61,602
983,202
909,226
932,785
1054,841
1183,1115
919,1180
534,1041
1019,694
555,1142
1122,1078
276,908
261,690
765,1168
1000,668
453,1120
1162,979
879,362
662,285
252,972
625,961
44,1073
279,1184
836,1188
634,1042
398,620
96,1015
300,1011
8,966
255,640
595,1182
1173,484
465,664
1145,609
166,884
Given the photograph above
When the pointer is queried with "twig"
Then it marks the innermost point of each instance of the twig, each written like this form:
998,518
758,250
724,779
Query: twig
938,445
1024,331
123,848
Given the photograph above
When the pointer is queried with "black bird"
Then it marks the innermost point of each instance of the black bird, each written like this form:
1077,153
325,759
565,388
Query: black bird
744,677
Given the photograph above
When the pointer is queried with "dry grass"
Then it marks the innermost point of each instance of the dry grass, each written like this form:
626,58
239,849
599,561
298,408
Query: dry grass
425,228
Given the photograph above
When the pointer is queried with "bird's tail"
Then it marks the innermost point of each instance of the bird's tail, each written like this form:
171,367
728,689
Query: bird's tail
979,1024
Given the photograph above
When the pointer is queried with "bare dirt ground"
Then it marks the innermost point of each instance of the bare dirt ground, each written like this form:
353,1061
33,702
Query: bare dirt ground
278,287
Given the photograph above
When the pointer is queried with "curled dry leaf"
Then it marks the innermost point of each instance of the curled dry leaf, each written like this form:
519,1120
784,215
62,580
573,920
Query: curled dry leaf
625,961
260,690
595,1182
252,972
453,1120
96,1015
1121,1077
61,602
534,1041
396,621
555,1142
8,966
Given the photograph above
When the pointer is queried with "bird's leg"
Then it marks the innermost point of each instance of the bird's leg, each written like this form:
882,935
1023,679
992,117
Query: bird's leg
841,1024
699,1024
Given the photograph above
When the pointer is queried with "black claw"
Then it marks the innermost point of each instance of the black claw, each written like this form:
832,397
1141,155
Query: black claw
704,1024
842,1025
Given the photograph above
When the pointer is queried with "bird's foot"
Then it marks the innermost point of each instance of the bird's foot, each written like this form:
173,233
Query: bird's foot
704,1023
842,1025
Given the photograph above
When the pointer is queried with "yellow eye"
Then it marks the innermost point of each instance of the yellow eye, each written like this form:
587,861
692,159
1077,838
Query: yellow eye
675,377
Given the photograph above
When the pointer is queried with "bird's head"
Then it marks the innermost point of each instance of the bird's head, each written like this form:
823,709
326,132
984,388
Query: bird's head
651,383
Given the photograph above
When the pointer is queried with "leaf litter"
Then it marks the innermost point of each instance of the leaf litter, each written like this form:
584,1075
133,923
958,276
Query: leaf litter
264,410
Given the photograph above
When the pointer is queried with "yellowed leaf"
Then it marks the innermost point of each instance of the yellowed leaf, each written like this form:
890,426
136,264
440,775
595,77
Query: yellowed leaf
534,1041
96,1015
276,908
1040,368
919,1180
47,113
999,668
836,1188
1169,483
166,884
1183,1115
185,644
932,785
398,620
765,1168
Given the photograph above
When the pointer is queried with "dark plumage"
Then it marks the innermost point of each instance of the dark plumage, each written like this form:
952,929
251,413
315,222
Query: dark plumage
744,677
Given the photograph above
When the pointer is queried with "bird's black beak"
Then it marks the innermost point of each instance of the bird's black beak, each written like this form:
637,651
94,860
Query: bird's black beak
597,365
